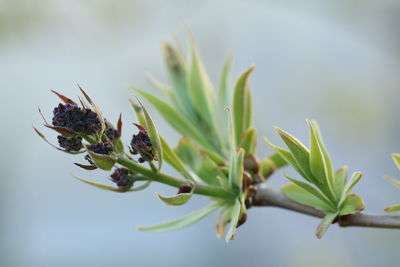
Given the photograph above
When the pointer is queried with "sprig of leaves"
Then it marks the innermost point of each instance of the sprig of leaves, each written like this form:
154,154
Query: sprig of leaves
323,188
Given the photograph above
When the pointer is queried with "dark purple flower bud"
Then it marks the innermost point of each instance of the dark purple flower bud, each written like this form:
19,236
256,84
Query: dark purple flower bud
101,148
70,144
121,177
141,144
76,119
185,188
112,133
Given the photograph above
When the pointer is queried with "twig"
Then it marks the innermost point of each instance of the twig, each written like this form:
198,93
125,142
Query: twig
267,196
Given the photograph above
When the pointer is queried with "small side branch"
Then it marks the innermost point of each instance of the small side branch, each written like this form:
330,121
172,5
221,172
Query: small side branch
267,196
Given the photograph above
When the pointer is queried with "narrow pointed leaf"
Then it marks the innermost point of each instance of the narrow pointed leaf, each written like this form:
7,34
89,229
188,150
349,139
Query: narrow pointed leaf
223,219
249,141
394,181
355,178
302,196
86,167
140,187
138,111
236,175
200,89
235,216
392,208
224,92
153,134
300,153
325,223
320,165
353,204
339,180
172,158
181,222
97,185
54,146
175,200
288,157
311,190
242,104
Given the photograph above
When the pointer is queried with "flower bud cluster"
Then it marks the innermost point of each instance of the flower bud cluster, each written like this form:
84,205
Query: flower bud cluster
70,143
76,119
121,177
141,144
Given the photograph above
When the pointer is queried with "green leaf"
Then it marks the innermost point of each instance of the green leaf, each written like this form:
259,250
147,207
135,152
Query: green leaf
355,178
242,104
104,162
339,180
176,200
320,164
235,216
315,192
300,153
182,222
113,189
298,194
172,158
325,223
177,71
249,141
153,134
200,89
198,161
97,185
224,92
287,156
223,219
175,119
392,208
353,204
236,173
396,158
138,111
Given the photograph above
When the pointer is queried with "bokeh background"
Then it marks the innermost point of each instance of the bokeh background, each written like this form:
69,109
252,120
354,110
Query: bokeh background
336,61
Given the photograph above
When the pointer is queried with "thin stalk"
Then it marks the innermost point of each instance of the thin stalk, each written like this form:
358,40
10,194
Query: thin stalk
173,181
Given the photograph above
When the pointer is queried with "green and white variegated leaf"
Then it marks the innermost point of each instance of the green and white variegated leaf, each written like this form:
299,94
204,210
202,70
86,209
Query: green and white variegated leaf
235,216
325,223
223,219
242,107
300,153
224,92
320,163
339,181
176,200
200,89
153,134
352,204
288,157
313,191
249,141
302,196
182,222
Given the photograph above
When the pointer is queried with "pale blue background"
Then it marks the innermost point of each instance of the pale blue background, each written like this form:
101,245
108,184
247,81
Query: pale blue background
335,61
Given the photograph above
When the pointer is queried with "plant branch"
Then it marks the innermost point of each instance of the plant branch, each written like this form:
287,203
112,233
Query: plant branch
173,181
267,196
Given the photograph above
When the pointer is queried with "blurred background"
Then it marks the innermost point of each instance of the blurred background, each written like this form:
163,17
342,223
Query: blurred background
335,61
